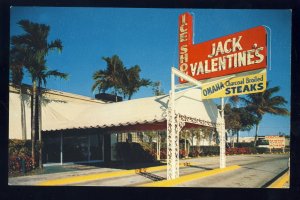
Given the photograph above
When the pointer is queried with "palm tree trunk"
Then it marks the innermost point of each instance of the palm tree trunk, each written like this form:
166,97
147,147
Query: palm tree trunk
237,136
23,115
185,150
33,123
198,143
256,134
39,106
116,96
193,139
232,139
158,147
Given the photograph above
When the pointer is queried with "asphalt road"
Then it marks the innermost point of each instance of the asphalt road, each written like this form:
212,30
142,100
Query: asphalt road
254,172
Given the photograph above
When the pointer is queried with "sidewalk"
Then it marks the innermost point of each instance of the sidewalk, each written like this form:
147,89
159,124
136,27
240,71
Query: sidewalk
74,170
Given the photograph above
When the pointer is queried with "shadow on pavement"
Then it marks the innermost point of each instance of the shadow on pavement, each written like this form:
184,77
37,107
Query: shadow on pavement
125,165
206,168
152,177
89,166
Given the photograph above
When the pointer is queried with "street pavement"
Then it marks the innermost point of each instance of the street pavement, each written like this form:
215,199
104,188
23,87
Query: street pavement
254,172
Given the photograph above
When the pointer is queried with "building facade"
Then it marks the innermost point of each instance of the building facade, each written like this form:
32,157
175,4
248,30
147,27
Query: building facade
76,128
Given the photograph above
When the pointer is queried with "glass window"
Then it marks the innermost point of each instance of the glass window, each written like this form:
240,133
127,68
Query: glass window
96,148
75,148
51,151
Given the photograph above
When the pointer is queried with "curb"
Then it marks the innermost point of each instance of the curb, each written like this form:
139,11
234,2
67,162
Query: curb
104,175
279,180
190,177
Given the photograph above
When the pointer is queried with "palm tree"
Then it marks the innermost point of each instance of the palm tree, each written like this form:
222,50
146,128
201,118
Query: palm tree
118,78
265,102
17,74
132,81
111,77
101,81
42,80
156,88
36,48
238,119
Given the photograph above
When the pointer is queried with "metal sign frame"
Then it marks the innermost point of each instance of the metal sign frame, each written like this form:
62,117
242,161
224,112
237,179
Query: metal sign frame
175,123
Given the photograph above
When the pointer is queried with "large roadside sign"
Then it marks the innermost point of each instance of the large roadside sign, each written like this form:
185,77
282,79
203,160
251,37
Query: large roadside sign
245,83
239,52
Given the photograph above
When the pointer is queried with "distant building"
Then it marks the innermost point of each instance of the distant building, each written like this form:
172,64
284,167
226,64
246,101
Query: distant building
242,139
274,141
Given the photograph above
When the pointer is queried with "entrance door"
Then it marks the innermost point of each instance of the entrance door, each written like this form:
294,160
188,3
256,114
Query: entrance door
96,147
51,151
75,148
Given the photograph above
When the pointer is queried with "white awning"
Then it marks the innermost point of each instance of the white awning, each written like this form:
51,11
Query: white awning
61,110
74,115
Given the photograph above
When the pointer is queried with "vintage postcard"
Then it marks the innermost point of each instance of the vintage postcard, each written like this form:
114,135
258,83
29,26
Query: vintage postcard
149,97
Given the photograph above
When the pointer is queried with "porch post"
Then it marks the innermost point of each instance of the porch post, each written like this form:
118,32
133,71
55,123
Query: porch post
222,137
61,148
158,146
89,147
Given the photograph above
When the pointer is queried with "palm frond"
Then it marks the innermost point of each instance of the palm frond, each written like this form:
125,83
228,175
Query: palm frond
56,73
56,44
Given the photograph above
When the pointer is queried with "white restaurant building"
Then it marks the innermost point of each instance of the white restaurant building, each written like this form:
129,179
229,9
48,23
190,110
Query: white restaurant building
77,128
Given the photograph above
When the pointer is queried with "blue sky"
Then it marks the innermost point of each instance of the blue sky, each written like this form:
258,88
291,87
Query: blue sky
149,38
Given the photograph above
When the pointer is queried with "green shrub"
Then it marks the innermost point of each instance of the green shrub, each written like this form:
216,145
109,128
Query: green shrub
19,164
134,152
204,151
19,156
243,144
19,147
209,150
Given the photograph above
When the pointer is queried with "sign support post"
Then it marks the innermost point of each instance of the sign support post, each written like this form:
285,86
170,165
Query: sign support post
172,162
174,126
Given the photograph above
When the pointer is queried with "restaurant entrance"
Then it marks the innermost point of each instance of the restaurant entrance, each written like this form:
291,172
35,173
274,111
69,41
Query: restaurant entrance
62,147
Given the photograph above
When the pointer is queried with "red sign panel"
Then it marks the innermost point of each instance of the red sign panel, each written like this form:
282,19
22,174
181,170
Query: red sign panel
231,54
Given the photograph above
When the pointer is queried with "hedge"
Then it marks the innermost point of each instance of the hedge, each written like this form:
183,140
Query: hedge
20,160
20,164
204,151
19,147
163,153
215,150
134,152
244,144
